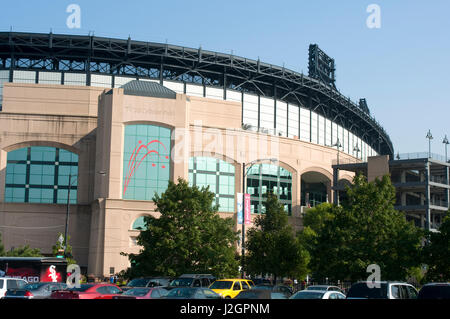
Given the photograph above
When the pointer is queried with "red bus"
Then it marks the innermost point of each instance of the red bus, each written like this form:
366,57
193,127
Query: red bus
34,269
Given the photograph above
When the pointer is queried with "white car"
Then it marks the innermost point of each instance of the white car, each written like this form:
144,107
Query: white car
318,294
10,283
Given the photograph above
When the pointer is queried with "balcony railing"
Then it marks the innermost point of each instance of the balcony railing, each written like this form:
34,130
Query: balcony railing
407,156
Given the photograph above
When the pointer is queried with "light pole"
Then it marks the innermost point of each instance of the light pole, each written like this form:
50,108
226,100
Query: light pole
67,213
429,137
445,141
357,150
338,145
244,174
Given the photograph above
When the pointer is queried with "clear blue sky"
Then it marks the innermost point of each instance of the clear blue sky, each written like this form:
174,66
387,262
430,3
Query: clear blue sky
402,69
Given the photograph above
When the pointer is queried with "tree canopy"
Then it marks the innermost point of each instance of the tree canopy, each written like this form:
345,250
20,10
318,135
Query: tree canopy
365,230
272,246
188,237
436,253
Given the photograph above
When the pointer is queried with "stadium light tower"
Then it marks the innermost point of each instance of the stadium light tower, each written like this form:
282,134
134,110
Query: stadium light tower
445,141
429,137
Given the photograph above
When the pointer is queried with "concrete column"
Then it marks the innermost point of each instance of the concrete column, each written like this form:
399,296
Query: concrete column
335,184
448,184
427,197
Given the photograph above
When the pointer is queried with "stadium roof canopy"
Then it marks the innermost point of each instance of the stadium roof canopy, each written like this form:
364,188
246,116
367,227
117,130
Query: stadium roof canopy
146,60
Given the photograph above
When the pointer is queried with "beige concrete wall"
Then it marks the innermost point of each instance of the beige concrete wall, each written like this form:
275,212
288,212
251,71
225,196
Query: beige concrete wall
50,99
38,226
377,167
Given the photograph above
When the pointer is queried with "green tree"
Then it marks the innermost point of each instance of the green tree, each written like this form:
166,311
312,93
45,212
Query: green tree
60,247
188,237
272,246
2,247
313,222
366,230
436,253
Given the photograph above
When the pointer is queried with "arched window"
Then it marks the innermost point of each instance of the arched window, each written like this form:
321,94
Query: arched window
139,224
39,174
263,178
218,175
146,161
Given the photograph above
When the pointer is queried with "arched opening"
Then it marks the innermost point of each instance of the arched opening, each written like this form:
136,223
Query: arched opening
342,187
139,224
315,188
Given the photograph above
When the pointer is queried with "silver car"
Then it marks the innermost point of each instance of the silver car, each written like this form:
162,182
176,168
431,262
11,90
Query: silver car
37,290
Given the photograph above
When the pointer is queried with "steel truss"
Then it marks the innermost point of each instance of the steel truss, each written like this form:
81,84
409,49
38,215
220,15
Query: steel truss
97,55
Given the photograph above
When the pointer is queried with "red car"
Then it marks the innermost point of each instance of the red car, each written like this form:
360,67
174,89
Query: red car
143,293
88,291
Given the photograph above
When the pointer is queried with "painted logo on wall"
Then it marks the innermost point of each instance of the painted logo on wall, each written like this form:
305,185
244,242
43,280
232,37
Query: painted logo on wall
140,152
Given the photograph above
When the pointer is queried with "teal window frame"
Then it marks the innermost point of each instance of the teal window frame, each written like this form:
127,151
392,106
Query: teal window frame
219,175
40,174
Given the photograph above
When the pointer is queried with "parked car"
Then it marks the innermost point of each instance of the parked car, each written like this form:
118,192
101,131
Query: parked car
229,288
88,291
286,290
143,293
193,280
325,288
435,291
317,294
37,290
10,283
386,290
260,294
147,282
259,281
192,293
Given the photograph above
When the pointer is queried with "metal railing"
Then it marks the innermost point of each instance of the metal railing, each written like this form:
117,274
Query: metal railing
407,156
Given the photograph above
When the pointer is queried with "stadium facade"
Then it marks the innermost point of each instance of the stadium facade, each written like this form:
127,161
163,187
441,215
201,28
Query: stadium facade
105,123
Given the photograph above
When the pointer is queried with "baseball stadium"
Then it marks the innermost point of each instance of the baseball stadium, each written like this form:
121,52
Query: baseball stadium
93,127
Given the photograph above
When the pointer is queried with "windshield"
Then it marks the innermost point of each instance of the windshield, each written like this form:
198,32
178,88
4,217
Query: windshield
34,286
362,290
181,282
139,282
221,285
263,287
137,292
435,292
83,287
247,294
182,292
308,295
317,288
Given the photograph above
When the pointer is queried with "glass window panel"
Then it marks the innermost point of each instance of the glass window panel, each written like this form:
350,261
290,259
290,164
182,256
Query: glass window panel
19,178
19,168
18,155
37,174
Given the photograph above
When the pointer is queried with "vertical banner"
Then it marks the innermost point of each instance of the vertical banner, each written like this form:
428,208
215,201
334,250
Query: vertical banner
247,218
240,217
